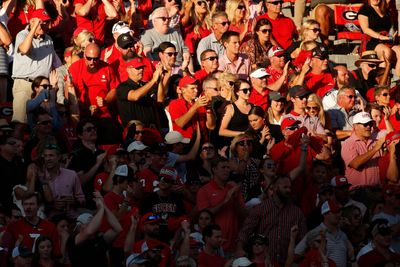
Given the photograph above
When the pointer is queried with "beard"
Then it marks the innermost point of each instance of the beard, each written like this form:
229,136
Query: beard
284,198
129,55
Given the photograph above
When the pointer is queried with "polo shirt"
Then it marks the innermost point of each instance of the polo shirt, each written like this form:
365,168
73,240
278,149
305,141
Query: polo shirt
258,99
283,29
210,42
340,119
39,62
319,83
208,260
67,183
241,67
367,174
274,76
210,195
94,21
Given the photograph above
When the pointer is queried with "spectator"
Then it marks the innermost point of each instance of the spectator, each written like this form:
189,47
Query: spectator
363,75
44,252
269,213
209,64
232,60
361,152
354,228
5,42
81,39
309,31
137,153
134,96
220,25
283,29
259,94
212,254
275,111
92,16
238,15
278,70
338,247
86,245
28,65
224,200
22,257
382,96
167,54
161,32
257,47
259,253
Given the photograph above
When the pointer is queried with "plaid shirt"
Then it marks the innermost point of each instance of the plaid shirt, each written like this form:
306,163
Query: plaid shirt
274,223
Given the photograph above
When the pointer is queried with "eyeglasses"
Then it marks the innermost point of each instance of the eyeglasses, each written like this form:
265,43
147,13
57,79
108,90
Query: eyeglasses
231,83
171,54
139,132
241,7
246,90
270,165
367,124
46,122
213,88
372,66
212,58
90,129
46,86
244,143
164,19
312,108
316,30
385,94
92,58
276,3
293,127
207,148
351,96
199,3
224,23
264,31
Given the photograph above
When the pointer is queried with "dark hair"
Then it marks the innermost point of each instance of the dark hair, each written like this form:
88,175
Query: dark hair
208,230
82,123
238,83
227,35
36,83
203,54
56,219
39,240
33,194
259,24
164,46
257,110
212,216
39,111
215,162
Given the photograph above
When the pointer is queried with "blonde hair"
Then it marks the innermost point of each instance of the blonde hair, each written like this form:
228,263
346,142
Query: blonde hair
231,6
198,23
308,45
223,81
306,26
83,36
314,98
237,139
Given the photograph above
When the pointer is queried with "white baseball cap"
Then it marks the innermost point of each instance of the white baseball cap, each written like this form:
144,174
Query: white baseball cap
362,117
259,73
242,261
136,146
175,137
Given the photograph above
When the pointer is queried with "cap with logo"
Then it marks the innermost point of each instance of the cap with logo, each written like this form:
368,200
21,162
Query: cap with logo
275,51
41,14
136,63
362,117
121,27
125,40
320,52
340,181
392,136
259,73
330,206
187,80
136,146
298,91
169,174
275,96
287,122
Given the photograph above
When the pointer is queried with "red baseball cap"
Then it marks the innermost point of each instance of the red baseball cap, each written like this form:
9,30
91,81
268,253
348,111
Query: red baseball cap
41,14
288,122
149,218
330,206
339,181
186,81
275,51
392,136
136,63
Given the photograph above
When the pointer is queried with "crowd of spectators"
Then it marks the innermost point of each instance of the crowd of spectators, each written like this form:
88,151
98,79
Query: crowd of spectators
192,133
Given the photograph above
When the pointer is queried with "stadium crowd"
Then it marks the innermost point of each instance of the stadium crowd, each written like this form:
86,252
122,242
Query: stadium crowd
192,133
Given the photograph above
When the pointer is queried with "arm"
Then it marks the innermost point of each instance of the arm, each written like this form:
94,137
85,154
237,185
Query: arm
85,177
109,9
84,9
135,95
342,134
25,47
5,37
33,103
193,151
184,249
392,173
185,19
292,243
276,86
302,164
130,237
210,122
223,130
299,80
116,227
360,160
364,23
9,6
385,77
185,118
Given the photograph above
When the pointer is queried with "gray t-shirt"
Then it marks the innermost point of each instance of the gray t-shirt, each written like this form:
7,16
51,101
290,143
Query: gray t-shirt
152,39
40,61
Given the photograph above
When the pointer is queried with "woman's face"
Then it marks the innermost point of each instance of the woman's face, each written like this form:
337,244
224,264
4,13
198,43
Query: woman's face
207,151
244,91
312,109
383,98
269,168
45,249
258,247
170,4
356,217
277,105
62,226
240,11
244,147
376,115
88,40
312,33
201,7
264,33
319,174
204,220
44,84
256,122
375,2
139,132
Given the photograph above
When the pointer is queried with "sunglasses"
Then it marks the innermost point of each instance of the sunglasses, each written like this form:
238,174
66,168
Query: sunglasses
293,127
139,132
47,122
244,142
212,58
90,129
385,94
167,181
316,30
312,108
171,54
241,7
46,86
301,97
199,3
370,124
351,96
225,23
213,88
246,90
207,148
11,142
164,19
276,3
92,58
231,83
264,31
322,57
373,66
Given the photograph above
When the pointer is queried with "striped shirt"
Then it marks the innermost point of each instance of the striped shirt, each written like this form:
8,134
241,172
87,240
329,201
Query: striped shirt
273,222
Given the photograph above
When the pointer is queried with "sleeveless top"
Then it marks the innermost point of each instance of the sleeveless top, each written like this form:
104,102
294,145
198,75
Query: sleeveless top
239,121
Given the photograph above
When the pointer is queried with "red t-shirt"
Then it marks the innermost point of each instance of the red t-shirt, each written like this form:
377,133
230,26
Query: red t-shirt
146,178
207,260
319,83
31,233
258,99
192,39
393,120
374,258
283,29
19,19
178,108
90,85
274,76
94,21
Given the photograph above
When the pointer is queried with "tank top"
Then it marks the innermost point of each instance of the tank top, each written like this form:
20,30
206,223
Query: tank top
239,121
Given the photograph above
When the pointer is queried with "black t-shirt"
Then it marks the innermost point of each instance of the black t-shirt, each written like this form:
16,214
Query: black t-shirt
91,252
171,205
376,22
143,110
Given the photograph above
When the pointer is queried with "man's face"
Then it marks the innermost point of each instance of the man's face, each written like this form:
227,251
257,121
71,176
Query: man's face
44,125
259,83
283,189
30,206
92,58
288,131
42,28
363,130
211,89
135,74
216,239
274,6
128,53
10,146
342,76
299,102
152,229
333,217
368,66
161,21
189,92
347,100
278,62
159,159
232,45
320,63
89,132
210,62
221,25
222,171
168,57
51,158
